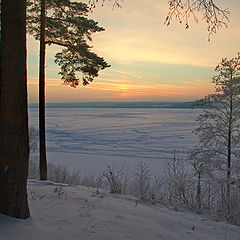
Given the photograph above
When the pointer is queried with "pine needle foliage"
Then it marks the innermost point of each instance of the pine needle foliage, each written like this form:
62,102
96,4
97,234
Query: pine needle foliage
67,26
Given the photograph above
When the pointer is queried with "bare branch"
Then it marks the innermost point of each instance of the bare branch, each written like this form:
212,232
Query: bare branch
183,10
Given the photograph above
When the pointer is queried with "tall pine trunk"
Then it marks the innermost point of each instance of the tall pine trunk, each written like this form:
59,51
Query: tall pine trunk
14,140
42,130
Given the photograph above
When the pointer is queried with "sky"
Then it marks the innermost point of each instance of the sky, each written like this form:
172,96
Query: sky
149,60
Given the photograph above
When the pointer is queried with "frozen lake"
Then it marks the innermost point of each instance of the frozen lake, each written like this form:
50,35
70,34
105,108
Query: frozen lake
92,138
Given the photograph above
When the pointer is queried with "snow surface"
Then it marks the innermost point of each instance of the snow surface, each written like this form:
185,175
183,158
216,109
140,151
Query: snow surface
90,139
62,212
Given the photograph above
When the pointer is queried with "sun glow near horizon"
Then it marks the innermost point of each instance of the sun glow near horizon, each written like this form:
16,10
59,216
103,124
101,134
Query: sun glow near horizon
111,89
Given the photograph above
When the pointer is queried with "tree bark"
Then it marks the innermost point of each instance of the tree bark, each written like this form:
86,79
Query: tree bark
42,128
199,191
14,139
229,149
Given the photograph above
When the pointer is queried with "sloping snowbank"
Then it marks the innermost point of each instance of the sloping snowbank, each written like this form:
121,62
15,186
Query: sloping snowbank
62,212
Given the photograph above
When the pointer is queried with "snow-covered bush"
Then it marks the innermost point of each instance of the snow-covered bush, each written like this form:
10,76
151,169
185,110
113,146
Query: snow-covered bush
33,168
117,179
61,174
141,183
33,139
178,189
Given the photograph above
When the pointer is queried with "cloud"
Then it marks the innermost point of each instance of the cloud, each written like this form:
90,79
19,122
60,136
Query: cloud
198,83
48,81
127,73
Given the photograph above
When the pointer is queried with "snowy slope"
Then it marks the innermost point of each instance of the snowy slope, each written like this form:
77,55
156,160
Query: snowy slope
61,212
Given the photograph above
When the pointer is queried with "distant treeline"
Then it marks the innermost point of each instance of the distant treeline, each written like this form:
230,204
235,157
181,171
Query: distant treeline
120,105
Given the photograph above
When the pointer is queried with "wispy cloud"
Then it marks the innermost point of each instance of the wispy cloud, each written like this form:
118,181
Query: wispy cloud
127,73
48,81
198,83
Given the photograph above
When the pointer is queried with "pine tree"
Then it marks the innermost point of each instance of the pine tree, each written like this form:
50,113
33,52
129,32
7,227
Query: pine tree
63,23
14,142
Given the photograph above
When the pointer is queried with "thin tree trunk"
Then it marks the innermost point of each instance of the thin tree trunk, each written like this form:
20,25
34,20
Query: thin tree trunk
229,150
209,194
229,172
14,140
199,191
42,130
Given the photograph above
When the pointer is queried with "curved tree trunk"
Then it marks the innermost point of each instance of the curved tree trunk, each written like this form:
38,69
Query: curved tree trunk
42,130
14,142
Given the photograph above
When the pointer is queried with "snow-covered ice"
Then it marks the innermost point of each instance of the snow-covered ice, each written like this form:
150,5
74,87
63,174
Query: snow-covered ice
62,212
92,138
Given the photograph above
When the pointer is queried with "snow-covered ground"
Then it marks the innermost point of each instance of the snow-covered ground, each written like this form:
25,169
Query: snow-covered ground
92,138
61,212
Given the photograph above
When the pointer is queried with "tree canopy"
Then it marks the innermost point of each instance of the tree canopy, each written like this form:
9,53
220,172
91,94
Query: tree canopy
67,26
222,111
